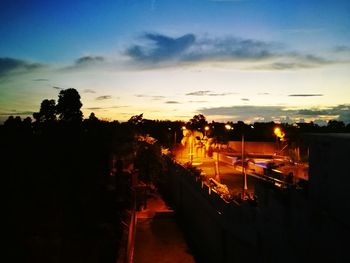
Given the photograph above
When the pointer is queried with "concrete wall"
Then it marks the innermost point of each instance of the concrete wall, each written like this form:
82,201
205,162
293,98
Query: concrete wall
254,147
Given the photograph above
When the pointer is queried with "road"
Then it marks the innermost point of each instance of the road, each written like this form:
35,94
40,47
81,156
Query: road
227,175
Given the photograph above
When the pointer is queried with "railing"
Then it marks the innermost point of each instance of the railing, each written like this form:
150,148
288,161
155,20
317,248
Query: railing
132,231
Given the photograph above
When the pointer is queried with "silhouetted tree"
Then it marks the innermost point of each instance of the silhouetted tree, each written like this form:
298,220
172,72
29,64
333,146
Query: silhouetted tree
136,119
149,162
197,122
69,105
93,117
336,126
10,121
47,112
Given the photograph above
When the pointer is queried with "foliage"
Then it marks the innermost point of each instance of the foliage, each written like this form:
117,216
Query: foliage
149,162
47,112
69,105
197,122
136,119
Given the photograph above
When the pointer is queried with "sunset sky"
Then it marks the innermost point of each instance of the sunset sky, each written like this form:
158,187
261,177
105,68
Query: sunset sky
250,60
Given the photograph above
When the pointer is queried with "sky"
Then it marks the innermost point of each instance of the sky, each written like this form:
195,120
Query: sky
250,60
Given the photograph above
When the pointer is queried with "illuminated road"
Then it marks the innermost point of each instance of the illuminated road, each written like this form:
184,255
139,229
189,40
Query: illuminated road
227,174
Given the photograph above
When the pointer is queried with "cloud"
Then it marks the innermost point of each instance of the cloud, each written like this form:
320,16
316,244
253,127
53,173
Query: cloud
242,110
89,60
208,93
342,48
172,102
295,60
57,88
11,65
244,99
221,94
278,113
198,101
263,93
198,93
313,112
341,112
103,108
104,97
305,95
17,113
189,48
88,91
160,48
153,97
231,49
40,79
284,65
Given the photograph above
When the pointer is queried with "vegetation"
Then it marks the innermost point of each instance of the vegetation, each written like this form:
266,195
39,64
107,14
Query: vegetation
64,198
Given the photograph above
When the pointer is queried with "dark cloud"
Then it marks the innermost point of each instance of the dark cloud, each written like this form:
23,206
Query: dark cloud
198,93
341,111
150,96
88,91
188,49
305,95
40,79
244,99
311,112
57,88
172,102
16,113
344,113
11,65
294,61
94,108
231,49
285,65
242,110
160,48
208,93
104,108
278,113
221,94
89,60
263,93
104,97
198,101
342,48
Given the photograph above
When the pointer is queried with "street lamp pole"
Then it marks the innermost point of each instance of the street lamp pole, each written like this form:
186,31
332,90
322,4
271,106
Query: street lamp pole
245,187
191,148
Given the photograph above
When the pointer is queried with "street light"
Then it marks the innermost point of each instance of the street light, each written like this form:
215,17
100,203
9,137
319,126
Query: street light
228,127
206,129
245,187
279,134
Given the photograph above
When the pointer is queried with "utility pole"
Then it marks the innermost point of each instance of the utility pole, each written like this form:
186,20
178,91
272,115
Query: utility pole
245,187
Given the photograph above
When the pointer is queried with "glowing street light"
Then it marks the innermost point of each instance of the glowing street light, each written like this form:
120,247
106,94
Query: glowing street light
279,134
228,127
206,129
